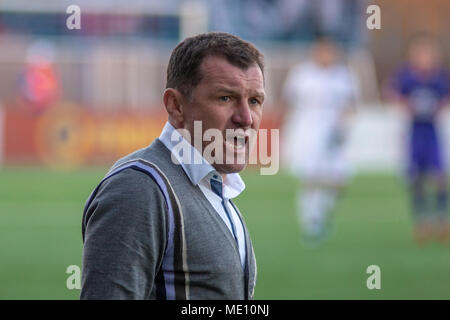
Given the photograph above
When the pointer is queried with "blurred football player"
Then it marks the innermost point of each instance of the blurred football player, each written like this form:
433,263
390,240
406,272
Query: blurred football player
422,87
321,94
39,83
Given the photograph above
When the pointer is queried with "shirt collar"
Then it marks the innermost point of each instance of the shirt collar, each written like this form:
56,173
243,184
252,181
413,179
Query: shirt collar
232,185
199,172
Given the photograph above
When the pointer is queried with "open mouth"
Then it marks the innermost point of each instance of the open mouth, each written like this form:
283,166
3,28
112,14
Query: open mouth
237,141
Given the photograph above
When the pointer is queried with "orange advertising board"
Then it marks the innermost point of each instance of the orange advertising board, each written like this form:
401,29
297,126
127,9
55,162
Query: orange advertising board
68,135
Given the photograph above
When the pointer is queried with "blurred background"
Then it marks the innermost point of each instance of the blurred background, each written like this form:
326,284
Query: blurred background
72,101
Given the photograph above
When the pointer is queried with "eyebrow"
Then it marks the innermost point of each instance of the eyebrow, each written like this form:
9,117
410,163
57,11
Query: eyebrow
258,94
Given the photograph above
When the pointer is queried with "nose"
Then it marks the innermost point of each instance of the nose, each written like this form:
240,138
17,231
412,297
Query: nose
243,115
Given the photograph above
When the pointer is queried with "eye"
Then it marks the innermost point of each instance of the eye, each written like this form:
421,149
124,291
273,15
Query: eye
254,101
225,98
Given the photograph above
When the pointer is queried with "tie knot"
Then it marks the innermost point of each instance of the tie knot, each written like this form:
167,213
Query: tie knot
216,187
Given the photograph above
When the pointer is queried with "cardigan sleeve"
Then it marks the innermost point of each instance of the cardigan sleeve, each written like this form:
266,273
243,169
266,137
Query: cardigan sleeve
124,238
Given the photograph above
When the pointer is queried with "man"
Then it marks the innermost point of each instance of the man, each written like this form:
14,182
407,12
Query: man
162,225
422,88
320,93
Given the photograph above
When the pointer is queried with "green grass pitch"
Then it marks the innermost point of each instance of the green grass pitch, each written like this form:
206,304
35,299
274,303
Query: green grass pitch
40,236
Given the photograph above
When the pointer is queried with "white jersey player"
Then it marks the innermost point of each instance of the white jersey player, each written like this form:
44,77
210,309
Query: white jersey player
320,93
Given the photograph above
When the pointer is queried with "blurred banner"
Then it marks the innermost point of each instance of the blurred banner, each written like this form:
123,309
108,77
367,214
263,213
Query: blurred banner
67,135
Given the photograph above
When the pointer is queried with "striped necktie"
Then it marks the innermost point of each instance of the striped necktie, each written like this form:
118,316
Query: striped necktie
216,187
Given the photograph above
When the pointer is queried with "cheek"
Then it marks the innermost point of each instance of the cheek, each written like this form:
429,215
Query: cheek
218,117
257,116
201,112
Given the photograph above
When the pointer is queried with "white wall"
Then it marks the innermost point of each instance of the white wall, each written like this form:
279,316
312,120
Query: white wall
377,140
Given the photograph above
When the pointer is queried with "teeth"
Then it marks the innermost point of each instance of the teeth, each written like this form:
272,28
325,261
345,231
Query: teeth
236,141
240,141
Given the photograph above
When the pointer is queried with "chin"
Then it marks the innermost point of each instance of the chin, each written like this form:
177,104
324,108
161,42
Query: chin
229,168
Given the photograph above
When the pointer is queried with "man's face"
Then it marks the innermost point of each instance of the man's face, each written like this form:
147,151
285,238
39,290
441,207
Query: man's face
227,97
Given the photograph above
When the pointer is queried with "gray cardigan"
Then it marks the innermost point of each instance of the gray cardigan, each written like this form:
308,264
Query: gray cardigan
148,233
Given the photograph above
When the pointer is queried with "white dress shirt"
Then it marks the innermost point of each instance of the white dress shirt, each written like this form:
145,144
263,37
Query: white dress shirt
201,174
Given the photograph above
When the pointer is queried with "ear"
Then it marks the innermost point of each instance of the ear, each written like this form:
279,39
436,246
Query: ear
173,101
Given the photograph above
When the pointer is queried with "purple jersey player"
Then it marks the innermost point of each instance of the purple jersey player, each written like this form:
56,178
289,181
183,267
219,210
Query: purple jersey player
422,86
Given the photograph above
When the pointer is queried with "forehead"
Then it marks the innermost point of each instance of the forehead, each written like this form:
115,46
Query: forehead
217,70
